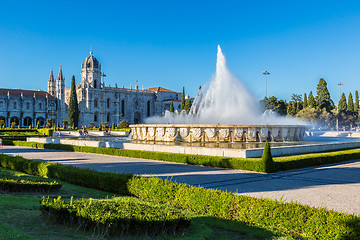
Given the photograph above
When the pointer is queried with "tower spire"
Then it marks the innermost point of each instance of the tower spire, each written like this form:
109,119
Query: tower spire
51,83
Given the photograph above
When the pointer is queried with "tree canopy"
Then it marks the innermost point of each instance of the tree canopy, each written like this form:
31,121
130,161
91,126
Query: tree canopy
323,99
73,105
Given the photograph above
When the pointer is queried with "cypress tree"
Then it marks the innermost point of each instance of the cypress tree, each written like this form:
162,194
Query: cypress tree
187,106
322,98
73,105
342,103
305,104
267,160
183,99
350,105
356,105
311,100
172,107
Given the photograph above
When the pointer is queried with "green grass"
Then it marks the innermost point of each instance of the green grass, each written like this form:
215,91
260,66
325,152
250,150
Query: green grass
20,218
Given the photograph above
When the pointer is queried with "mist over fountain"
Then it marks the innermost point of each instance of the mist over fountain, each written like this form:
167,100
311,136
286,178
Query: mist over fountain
223,111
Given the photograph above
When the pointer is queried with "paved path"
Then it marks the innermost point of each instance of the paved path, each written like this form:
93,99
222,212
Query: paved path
333,186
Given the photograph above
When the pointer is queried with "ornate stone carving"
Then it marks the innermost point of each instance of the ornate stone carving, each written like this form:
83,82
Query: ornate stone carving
224,132
197,132
144,131
138,132
184,132
151,131
171,131
239,132
160,132
264,132
210,132
252,132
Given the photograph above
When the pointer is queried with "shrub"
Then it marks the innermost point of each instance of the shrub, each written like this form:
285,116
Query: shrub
267,160
123,124
116,216
29,185
317,223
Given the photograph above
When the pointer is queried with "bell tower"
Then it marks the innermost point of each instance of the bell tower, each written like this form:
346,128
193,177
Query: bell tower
90,72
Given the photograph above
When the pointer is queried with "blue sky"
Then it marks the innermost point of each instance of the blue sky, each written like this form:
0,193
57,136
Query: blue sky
173,43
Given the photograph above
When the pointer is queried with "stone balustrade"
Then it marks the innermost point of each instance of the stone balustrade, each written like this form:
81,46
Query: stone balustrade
217,133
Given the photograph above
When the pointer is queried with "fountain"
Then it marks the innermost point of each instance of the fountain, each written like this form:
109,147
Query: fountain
223,111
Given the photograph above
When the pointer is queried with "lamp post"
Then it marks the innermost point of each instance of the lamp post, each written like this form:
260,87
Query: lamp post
103,75
337,107
265,73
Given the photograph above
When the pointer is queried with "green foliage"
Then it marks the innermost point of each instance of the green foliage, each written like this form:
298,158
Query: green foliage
311,100
46,131
73,105
116,216
65,123
342,103
267,160
113,126
308,114
172,107
356,104
187,106
2,123
350,105
273,104
183,99
317,223
305,103
123,124
20,185
323,99
37,125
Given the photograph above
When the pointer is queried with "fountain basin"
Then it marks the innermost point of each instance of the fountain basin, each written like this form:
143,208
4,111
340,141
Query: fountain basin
217,133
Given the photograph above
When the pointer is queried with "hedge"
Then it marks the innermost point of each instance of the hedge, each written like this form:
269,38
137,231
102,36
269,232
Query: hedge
28,185
266,164
106,181
289,217
292,217
116,216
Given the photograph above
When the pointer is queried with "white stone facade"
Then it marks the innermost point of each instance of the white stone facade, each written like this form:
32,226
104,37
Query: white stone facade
98,103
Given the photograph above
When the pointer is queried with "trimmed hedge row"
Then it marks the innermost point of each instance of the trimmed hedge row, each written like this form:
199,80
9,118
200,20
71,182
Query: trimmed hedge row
116,216
106,181
288,217
257,165
29,185
265,164
307,221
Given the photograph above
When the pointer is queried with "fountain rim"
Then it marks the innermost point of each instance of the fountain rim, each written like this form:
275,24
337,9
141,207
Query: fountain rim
216,125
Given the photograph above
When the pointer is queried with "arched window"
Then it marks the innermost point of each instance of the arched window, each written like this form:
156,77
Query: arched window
108,117
96,103
148,108
95,116
95,83
108,103
122,107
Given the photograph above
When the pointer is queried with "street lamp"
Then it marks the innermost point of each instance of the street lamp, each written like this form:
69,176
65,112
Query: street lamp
265,73
337,107
103,75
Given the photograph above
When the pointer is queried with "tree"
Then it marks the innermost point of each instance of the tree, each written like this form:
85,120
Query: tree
291,109
311,100
342,103
356,105
305,104
323,99
65,123
273,104
187,106
325,118
267,161
183,99
73,105
309,114
350,105
172,107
